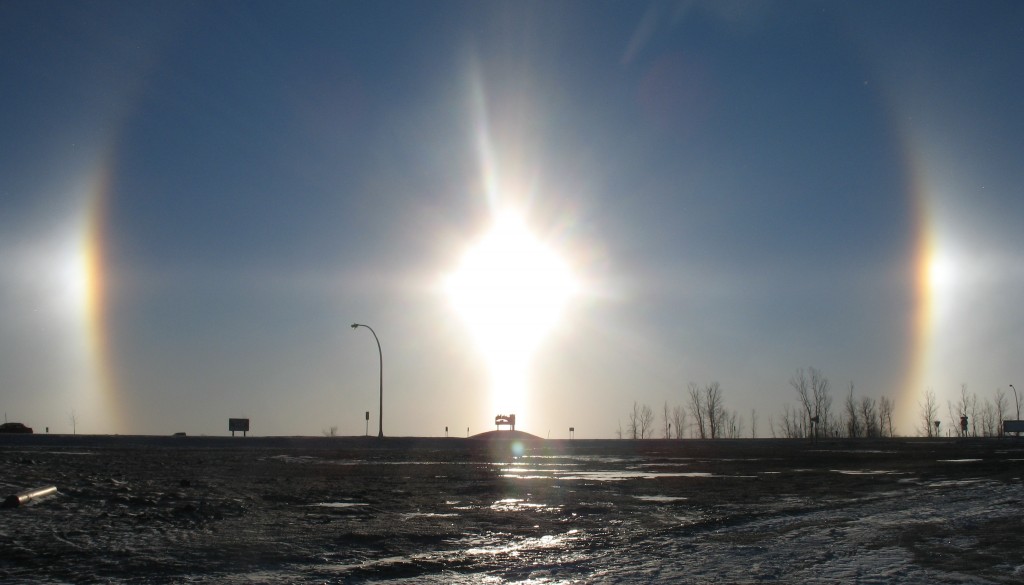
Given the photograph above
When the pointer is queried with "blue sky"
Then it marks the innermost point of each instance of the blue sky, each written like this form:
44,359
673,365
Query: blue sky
197,199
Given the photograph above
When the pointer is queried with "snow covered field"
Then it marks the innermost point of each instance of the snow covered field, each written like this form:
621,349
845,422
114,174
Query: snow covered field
212,510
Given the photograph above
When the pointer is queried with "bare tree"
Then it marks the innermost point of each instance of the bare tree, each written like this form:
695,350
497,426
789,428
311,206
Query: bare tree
822,400
753,423
646,422
1002,405
697,408
634,421
679,421
959,411
973,410
73,419
853,429
800,383
332,432
734,424
714,409
618,432
790,426
885,408
812,389
869,416
667,420
989,424
929,410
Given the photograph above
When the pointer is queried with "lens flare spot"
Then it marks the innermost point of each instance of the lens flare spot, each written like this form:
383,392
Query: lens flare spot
517,449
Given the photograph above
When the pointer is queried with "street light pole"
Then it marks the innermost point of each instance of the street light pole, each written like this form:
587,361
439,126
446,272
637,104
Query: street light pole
1016,401
380,418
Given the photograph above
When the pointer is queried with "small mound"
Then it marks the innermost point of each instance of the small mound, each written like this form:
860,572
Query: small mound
506,436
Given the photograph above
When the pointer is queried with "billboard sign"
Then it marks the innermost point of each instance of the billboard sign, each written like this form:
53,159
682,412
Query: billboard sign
1013,426
238,424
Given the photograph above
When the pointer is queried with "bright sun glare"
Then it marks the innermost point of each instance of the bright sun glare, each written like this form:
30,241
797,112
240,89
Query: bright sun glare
940,272
510,289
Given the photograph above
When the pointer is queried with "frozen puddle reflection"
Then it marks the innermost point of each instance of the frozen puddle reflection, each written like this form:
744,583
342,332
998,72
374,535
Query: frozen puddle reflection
624,475
660,499
617,475
409,515
516,505
497,544
337,505
957,483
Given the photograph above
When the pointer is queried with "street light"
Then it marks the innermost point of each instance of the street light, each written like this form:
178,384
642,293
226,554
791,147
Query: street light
1016,401
380,419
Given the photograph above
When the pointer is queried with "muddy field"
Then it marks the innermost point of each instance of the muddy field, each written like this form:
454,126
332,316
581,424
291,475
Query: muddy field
213,510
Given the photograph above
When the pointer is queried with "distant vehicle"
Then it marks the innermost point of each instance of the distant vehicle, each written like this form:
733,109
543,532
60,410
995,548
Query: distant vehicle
15,427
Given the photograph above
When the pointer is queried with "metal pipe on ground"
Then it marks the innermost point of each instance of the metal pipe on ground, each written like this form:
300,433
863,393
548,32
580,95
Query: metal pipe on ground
22,498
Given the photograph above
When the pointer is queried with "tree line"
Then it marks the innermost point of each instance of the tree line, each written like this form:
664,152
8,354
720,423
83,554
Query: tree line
705,416
711,419
967,416
814,416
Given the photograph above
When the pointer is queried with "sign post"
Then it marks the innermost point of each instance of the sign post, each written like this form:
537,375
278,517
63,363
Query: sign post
238,424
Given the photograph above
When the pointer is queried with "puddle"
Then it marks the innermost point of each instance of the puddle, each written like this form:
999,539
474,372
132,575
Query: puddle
53,452
517,505
513,471
410,515
294,458
660,499
372,462
625,475
957,483
616,475
854,451
514,548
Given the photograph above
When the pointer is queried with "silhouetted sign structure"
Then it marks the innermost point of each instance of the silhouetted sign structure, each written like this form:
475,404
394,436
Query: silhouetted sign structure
505,419
238,424
1013,426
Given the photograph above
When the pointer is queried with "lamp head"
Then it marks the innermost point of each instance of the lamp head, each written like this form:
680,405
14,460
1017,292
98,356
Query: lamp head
354,325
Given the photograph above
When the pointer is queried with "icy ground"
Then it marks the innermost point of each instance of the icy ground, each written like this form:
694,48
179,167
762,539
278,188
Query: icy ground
457,511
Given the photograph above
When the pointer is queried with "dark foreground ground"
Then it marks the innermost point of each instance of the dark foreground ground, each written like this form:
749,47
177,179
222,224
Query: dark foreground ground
211,510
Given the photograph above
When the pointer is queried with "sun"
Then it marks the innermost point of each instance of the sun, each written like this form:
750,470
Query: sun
511,290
